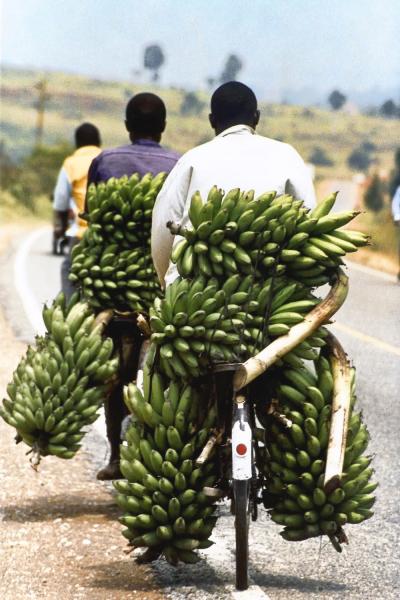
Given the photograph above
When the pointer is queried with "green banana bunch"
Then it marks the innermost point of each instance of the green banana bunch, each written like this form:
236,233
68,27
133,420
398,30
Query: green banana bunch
294,459
199,323
58,386
162,498
195,325
112,263
235,233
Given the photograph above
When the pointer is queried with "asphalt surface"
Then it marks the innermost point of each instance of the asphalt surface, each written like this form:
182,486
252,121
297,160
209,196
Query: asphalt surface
368,326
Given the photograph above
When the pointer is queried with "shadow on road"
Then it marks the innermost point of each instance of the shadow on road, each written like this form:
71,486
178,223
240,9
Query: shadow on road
291,582
60,505
122,575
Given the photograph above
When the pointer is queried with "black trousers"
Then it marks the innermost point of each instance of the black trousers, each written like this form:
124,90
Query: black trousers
66,285
127,340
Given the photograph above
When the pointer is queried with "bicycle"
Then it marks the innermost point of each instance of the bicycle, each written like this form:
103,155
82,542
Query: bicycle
235,431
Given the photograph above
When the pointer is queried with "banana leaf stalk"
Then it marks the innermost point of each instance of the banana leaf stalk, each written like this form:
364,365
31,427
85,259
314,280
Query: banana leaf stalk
340,414
258,364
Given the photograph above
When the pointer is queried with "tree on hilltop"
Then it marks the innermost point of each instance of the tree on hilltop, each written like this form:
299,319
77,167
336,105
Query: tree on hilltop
336,99
153,60
191,104
233,66
389,109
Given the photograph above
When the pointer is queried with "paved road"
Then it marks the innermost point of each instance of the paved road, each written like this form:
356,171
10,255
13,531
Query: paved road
368,326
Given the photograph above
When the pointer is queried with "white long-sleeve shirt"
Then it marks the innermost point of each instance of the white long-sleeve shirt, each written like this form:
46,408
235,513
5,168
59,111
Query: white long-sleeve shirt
237,157
396,205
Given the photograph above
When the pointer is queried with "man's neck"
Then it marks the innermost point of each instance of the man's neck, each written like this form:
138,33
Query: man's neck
135,138
221,128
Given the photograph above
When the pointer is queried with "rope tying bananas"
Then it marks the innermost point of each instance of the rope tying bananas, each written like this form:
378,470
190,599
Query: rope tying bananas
59,386
112,264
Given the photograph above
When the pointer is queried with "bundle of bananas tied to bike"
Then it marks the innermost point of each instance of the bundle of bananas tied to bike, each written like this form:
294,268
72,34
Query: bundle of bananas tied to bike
200,322
248,268
59,386
294,457
112,263
165,508
264,236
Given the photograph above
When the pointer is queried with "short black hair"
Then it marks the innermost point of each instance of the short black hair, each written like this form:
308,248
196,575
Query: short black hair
233,103
146,114
87,134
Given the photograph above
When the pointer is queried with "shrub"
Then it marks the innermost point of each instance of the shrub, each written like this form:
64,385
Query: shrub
374,195
319,157
359,159
191,105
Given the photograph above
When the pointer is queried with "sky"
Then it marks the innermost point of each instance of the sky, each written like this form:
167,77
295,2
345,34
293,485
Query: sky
284,44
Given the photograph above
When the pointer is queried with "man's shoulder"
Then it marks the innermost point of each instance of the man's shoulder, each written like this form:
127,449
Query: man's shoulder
198,151
132,149
110,152
275,145
262,142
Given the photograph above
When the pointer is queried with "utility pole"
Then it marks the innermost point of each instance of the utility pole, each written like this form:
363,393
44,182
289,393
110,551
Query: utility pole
40,106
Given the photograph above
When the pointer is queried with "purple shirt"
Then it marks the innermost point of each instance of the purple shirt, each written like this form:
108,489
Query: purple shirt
142,156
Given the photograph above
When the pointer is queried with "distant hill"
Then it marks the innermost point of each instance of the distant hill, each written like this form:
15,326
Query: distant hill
74,99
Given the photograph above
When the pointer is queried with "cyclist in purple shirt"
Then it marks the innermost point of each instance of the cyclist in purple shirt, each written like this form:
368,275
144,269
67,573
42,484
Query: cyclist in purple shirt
145,122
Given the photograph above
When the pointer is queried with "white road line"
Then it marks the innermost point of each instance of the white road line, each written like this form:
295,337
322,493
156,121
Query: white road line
31,305
370,271
369,339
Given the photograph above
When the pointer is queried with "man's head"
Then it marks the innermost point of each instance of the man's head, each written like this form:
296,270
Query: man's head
145,117
233,103
87,135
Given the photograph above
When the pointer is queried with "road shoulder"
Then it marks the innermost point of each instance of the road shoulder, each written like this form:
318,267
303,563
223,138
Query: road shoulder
60,537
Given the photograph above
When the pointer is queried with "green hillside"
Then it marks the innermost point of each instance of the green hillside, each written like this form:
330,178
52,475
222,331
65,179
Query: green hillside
74,99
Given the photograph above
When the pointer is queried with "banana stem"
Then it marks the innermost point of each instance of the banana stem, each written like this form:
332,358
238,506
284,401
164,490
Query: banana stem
143,325
205,453
35,458
103,318
175,228
340,414
256,365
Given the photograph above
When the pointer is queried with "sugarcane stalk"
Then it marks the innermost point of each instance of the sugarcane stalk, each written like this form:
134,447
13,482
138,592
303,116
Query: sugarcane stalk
340,414
256,365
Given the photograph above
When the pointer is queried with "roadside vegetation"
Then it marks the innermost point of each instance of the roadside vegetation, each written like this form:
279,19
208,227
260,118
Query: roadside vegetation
337,143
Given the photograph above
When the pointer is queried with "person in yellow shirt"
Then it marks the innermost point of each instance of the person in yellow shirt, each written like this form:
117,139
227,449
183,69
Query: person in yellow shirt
70,192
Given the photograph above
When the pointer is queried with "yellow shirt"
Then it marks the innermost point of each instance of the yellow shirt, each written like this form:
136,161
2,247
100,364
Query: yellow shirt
76,167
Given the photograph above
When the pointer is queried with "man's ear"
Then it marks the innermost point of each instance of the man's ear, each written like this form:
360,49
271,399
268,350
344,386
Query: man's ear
211,118
163,127
256,118
126,125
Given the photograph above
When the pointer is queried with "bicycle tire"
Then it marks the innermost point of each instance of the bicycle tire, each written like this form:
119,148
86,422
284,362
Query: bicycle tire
241,491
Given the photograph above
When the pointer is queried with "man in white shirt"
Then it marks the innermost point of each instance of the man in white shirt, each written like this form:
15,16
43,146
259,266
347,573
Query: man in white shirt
236,157
396,215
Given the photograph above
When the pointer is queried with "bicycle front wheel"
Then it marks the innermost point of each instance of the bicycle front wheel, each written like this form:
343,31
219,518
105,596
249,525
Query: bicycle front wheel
241,489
